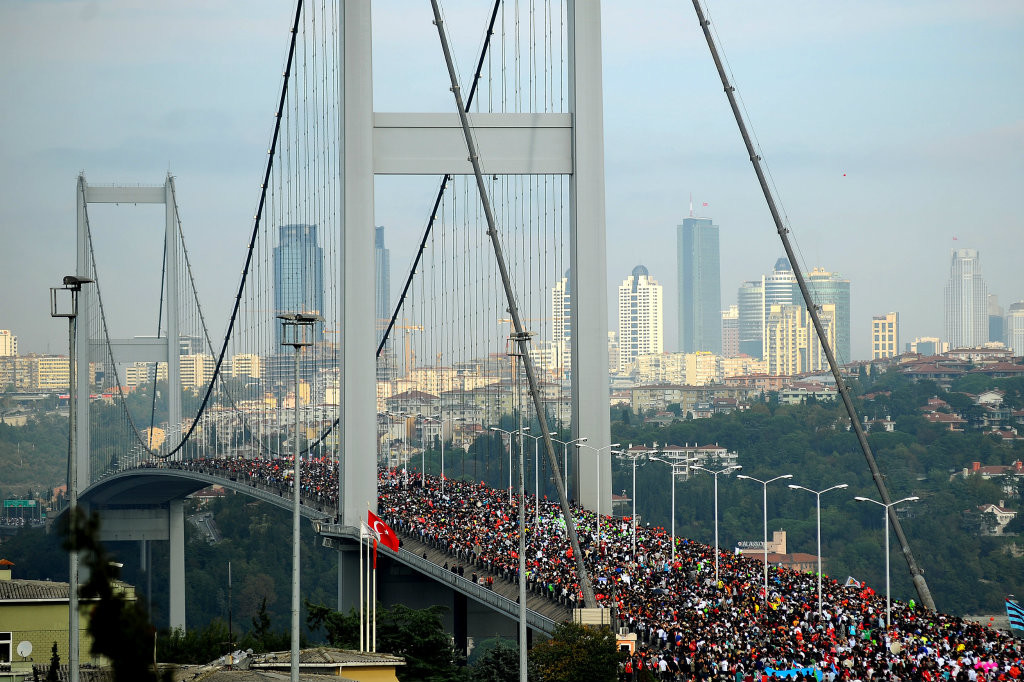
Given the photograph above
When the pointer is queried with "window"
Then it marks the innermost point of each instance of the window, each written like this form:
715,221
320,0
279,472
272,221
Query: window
5,647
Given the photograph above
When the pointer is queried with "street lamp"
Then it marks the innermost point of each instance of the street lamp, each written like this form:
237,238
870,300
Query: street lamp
597,452
885,520
443,421
728,469
676,466
536,478
297,332
520,432
69,309
634,457
565,458
817,494
764,485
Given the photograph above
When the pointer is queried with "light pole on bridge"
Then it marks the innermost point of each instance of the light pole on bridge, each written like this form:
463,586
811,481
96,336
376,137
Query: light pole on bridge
72,285
518,432
597,454
726,470
817,494
885,519
764,486
296,331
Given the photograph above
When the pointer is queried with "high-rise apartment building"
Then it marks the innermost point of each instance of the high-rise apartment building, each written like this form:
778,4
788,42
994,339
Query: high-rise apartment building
750,304
700,287
561,327
885,336
8,343
791,344
966,301
382,267
780,286
731,332
1015,328
830,287
640,317
298,274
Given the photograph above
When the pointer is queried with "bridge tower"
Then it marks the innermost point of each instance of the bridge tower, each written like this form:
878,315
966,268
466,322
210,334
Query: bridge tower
570,143
165,522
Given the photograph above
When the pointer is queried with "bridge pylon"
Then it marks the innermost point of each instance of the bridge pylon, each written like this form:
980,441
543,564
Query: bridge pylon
569,143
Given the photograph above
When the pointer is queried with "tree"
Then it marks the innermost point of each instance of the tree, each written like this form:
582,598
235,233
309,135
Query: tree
120,628
415,634
53,674
500,663
576,653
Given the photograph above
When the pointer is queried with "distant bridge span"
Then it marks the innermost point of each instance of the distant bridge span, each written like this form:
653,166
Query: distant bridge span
157,486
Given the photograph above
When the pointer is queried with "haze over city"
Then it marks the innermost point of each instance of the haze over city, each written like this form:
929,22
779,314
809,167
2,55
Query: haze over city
893,134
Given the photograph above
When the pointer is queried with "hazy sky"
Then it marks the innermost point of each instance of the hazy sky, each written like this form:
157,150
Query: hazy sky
889,128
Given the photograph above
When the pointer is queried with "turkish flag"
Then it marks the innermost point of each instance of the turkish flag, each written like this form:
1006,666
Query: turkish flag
382,530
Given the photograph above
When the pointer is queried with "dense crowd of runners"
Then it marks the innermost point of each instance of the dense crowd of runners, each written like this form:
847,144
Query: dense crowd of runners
688,626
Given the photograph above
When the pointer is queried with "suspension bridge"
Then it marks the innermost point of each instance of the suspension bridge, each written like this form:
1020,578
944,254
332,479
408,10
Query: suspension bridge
513,232
192,390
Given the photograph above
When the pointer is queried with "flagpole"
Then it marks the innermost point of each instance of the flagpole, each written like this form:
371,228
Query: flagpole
362,627
374,607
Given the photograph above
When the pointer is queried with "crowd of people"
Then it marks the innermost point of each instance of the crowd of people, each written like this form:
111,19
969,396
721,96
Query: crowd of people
318,476
688,625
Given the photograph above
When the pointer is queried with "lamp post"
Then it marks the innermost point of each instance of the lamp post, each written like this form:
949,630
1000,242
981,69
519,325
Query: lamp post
565,457
764,486
597,460
520,432
728,469
536,478
297,332
73,285
634,457
676,466
817,494
442,421
885,520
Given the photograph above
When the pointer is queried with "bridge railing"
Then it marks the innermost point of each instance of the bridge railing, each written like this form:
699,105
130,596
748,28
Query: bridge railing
477,592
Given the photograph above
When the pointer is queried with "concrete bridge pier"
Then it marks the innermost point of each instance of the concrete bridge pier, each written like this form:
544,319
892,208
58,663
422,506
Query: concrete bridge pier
144,525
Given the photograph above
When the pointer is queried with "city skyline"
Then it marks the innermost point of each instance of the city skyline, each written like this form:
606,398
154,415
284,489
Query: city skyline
877,178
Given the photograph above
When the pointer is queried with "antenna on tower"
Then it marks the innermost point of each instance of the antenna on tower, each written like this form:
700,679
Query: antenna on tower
691,204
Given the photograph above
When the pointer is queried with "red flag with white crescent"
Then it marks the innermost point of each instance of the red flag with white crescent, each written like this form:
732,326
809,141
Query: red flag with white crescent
382,530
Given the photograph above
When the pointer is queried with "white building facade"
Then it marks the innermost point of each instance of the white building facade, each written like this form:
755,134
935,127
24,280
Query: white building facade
641,328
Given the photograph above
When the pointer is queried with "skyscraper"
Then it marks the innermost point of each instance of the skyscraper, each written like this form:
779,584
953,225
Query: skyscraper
700,289
791,344
731,331
995,320
830,287
750,302
1015,328
298,274
561,326
885,336
640,317
382,266
779,286
966,301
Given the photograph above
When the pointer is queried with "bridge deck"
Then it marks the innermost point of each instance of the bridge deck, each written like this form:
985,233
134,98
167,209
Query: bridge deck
542,614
